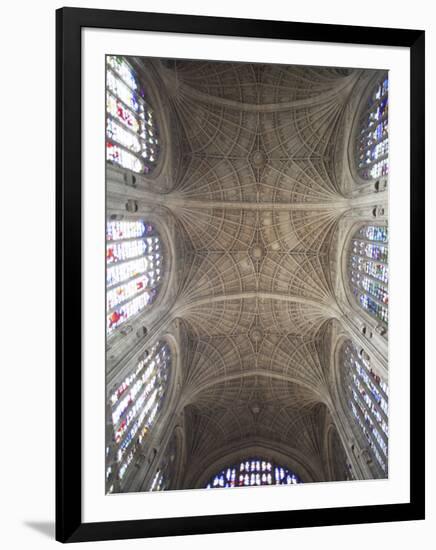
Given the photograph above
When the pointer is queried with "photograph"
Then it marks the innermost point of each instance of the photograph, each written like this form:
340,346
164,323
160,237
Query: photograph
247,274
231,275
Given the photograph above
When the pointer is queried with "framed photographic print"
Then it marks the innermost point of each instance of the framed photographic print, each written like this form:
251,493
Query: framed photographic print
240,274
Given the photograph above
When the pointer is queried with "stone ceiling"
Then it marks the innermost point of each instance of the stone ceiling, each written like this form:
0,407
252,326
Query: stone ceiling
258,202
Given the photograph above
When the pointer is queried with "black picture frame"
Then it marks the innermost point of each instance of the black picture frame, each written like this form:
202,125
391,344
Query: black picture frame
69,22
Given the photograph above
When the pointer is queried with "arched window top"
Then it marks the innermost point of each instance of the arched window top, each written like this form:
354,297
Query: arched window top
368,270
131,130
253,472
367,397
135,404
373,135
134,264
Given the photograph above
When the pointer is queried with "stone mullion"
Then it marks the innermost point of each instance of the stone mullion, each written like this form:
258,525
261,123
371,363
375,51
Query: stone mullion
370,414
129,408
365,274
368,447
139,346
380,367
383,157
136,115
376,103
127,300
369,275
159,439
167,431
379,320
369,430
362,290
375,243
371,396
155,443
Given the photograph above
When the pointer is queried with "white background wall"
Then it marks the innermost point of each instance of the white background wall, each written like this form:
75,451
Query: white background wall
27,299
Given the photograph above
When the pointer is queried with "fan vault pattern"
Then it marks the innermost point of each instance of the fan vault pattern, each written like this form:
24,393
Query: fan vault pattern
257,205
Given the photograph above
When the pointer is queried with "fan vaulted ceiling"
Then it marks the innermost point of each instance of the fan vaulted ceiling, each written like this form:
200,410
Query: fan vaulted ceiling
257,202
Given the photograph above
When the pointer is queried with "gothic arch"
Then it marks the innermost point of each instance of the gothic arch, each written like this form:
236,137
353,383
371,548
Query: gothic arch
357,442
366,90
168,258
286,456
365,317
247,201
156,440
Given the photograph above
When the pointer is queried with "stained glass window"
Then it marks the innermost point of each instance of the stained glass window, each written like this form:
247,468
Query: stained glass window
368,270
373,138
133,269
158,483
251,472
367,396
136,402
132,139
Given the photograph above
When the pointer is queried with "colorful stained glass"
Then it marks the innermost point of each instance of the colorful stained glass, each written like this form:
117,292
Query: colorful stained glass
373,307
378,233
118,133
372,251
117,230
117,110
251,472
134,269
122,68
136,403
373,139
131,130
120,156
369,271
121,271
368,400
119,89
377,270
125,250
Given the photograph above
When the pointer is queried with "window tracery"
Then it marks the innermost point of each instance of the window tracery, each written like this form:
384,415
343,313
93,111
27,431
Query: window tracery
133,269
135,404
373,138
367,396
369,272
253,472
132,139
